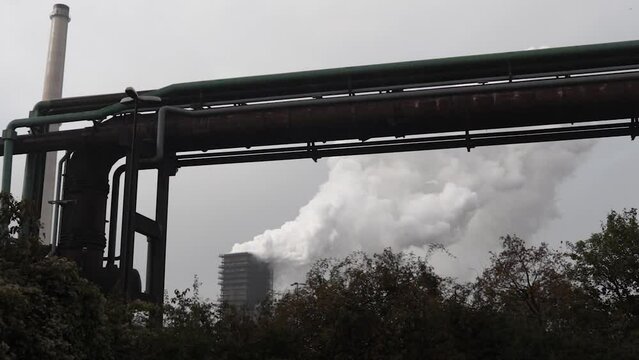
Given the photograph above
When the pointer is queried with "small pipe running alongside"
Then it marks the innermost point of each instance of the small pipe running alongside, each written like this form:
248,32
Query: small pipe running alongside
57,202
113,217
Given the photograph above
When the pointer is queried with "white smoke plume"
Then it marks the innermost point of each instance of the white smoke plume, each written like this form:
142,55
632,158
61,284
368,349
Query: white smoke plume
464,201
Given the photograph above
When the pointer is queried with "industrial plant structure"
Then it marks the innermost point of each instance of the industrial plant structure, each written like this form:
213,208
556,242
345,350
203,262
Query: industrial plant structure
578,92
245,280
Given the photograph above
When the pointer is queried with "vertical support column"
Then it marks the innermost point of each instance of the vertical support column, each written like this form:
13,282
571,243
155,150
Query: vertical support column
156,256
33,181
128,227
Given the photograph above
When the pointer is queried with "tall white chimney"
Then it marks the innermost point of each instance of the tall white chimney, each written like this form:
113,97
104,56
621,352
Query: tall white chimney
53,79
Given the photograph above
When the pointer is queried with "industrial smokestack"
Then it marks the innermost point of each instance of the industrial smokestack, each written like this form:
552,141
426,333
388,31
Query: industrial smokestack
57,47
53,80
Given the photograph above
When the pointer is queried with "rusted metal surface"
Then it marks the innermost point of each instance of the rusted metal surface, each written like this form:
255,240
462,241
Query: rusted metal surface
367,118
420,115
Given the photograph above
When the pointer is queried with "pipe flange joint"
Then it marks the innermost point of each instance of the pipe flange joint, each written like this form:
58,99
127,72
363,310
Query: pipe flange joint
9,134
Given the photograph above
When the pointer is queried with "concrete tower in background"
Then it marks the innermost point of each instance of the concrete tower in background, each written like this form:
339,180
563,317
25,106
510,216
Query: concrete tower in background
53,80
245,280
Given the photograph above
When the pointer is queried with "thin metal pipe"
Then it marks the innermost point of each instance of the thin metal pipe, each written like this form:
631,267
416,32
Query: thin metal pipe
56,202
7,160
434,143
223,154
113,218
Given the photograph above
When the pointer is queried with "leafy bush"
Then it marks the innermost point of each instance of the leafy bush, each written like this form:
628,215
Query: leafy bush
530,302
47,310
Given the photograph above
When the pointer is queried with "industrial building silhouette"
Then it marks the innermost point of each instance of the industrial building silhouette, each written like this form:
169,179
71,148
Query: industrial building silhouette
245,280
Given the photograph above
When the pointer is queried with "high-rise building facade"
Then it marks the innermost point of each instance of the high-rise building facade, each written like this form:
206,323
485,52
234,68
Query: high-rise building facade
245,279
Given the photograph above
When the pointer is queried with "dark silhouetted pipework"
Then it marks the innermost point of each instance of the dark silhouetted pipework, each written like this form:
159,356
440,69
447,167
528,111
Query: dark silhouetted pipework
464,102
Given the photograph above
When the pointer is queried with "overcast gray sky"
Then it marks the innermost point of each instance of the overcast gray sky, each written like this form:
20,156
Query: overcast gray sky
150,44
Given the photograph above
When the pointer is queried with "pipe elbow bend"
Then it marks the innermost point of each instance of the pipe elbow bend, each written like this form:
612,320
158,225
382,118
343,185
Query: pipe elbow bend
9,133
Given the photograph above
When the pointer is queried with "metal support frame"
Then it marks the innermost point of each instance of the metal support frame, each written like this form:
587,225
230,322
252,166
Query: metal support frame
132,223
57,202
156,253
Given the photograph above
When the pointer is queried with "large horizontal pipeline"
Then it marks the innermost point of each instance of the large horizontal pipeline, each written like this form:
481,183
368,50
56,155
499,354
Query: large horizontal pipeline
365,117
509,65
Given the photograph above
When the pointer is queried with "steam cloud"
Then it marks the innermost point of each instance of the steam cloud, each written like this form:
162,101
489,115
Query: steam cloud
464,201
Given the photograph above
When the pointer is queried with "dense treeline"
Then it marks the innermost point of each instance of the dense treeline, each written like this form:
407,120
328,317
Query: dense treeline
531,302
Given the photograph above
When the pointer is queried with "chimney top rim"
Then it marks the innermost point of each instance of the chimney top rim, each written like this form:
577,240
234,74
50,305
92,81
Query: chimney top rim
60,10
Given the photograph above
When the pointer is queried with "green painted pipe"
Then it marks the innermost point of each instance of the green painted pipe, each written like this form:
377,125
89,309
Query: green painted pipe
517,64
7,160
9,134
34,169
559,61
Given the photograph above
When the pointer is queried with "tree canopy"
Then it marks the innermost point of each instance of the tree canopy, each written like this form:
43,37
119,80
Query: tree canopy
530,302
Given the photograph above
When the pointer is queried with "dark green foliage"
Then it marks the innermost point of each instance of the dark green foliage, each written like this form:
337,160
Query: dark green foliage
47,310
531,302
528,293
606,266
388,305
